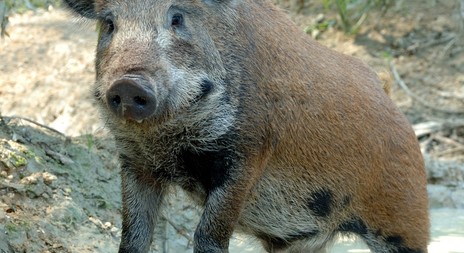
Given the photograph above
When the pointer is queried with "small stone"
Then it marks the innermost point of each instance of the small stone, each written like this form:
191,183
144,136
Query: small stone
48,178
106,225
31,179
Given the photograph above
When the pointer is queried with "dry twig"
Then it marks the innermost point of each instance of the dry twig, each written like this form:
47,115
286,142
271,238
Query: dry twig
180,231
426,128
450,151
8,118
432,43
460,34
447,141
430,127
452,95
403,86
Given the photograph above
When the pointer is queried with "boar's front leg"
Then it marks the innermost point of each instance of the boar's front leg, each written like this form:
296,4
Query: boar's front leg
141,199
224,205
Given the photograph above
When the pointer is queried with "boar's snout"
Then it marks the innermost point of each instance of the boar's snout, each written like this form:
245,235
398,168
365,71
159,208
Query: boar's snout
131,98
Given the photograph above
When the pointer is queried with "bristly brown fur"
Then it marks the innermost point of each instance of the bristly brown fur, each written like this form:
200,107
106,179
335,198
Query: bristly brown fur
274,134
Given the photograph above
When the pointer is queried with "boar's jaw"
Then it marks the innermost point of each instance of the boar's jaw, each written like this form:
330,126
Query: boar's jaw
130,98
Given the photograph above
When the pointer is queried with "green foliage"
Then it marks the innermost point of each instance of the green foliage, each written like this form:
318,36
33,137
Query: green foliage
7,7
90,141
352,13
17,160
20,6
320,26
3,18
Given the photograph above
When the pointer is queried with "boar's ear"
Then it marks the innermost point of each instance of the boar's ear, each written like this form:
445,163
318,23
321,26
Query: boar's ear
84,8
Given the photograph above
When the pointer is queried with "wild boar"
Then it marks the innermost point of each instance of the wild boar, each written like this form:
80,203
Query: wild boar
272,133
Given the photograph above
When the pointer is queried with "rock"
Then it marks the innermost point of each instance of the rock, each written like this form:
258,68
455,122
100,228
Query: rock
48,178
458,197
439,196
448,172
5,247
67,213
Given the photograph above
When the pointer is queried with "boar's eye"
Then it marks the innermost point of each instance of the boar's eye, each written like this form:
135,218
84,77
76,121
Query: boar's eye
177,20
109,25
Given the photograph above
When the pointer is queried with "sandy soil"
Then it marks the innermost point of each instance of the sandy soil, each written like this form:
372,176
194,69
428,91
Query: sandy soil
59,190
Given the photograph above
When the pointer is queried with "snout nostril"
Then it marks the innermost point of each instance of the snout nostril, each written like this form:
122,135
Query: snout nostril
131,98
140,101
116,100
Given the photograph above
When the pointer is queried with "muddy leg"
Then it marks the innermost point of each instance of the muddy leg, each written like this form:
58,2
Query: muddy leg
141,202
222,210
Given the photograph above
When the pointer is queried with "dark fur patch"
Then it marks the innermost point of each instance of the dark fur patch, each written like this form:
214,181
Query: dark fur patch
355,225
346,201
275,243
206,88
394,240
408,250
280,243
398,242
320,202
210,168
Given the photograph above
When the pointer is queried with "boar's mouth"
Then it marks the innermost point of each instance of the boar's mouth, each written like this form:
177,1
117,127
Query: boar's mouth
206,88
131,98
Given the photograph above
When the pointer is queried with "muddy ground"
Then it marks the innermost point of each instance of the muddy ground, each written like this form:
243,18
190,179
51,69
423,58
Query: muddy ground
59,184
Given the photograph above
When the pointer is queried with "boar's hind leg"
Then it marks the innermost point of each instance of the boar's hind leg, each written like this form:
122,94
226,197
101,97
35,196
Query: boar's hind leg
379,242
141,199
392,244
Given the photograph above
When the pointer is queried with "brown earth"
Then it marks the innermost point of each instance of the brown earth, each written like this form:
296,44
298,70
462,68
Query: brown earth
59,190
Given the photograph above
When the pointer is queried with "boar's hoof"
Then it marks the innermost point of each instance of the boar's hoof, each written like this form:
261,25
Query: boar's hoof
130,98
